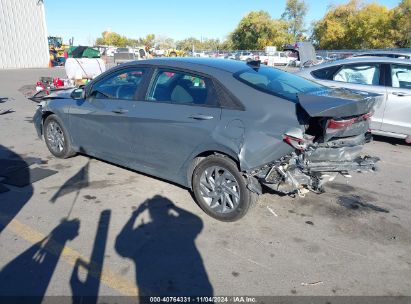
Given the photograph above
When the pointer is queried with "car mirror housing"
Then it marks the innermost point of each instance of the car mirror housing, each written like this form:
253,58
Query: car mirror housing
78,94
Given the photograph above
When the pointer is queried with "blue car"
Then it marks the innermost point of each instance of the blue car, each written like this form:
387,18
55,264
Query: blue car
224,129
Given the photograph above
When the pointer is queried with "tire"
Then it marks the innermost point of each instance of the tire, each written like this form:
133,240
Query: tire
56,137
222,202
173,54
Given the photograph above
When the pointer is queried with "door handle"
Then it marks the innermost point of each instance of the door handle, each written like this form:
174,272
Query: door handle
200,117
119,111
400,94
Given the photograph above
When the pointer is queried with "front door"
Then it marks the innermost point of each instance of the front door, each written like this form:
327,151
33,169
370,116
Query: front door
104,124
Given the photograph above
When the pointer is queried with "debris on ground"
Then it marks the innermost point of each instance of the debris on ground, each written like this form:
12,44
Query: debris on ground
5,111
28,90
272,211
312,284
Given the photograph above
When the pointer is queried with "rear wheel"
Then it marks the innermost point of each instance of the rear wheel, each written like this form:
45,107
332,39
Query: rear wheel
56,137
220,189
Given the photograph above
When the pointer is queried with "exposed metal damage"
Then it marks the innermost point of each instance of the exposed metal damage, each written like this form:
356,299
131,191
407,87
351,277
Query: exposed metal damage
327,147
296,173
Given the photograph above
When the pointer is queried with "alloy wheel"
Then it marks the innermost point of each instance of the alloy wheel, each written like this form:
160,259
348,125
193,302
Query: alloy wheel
219,189
55,137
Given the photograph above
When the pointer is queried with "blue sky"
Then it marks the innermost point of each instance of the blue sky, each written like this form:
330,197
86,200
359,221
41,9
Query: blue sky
85,20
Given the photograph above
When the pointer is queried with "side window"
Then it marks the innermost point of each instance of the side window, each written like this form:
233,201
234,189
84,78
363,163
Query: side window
401,76
182,88
360,74
121,85
326,74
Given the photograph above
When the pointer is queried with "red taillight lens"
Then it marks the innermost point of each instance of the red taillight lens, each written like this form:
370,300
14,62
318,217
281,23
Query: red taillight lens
340,124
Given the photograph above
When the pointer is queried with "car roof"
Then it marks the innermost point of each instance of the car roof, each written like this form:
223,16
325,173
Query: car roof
383,53
370,59
227,65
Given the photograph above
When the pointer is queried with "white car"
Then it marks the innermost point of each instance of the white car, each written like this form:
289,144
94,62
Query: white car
201,54
279,58
389,77
140,53
244,56
263,57
110,51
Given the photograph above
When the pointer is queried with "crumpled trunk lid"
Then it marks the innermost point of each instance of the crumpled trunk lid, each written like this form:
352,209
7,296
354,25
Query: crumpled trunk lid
337,103
337,113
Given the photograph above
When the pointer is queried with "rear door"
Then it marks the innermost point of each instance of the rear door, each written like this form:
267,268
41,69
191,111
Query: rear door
398,109
367,77
180,113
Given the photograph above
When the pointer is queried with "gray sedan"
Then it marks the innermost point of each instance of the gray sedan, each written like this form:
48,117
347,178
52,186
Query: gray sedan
221,128
387,76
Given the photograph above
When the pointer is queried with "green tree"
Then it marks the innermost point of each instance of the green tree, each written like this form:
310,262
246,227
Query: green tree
112,38
188,43
354,26
257,30
133,42
402,23
164,42
148,41
210,44
226,45
294,15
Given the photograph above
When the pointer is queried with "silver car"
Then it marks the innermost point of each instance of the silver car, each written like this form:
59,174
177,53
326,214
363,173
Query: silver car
387,76
398,55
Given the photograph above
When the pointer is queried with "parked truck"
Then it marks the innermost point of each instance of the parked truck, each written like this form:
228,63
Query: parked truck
123,55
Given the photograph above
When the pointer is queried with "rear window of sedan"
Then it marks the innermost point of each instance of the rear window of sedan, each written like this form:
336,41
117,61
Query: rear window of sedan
277,82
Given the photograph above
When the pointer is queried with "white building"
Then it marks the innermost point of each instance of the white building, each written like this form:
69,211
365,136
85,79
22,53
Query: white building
23,34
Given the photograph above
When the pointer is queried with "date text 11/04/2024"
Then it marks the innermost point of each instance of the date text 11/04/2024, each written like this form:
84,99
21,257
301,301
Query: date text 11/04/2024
233,299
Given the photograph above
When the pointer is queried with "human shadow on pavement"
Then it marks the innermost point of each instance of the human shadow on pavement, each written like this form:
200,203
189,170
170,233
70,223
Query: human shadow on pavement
11,200
86,291
164,252
29,274
75,183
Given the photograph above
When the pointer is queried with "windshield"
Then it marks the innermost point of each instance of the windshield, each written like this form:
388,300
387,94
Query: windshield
277,82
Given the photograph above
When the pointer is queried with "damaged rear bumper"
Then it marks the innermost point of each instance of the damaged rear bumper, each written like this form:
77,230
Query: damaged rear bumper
365,163
310,170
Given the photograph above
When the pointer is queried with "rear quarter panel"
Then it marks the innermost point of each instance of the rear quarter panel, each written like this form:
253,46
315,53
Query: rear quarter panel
256,134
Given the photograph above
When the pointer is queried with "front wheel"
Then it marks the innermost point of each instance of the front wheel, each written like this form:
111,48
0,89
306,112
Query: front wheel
221,190
56,137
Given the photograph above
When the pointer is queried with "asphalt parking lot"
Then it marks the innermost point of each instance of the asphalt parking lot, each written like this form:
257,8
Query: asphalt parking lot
92,228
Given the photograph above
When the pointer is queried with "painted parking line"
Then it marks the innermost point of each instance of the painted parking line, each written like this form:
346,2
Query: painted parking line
70,256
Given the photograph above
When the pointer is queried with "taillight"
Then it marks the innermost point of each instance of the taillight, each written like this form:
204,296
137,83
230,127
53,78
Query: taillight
343,123
340,124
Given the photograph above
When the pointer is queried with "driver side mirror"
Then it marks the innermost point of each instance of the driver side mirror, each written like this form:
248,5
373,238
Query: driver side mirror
78,94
